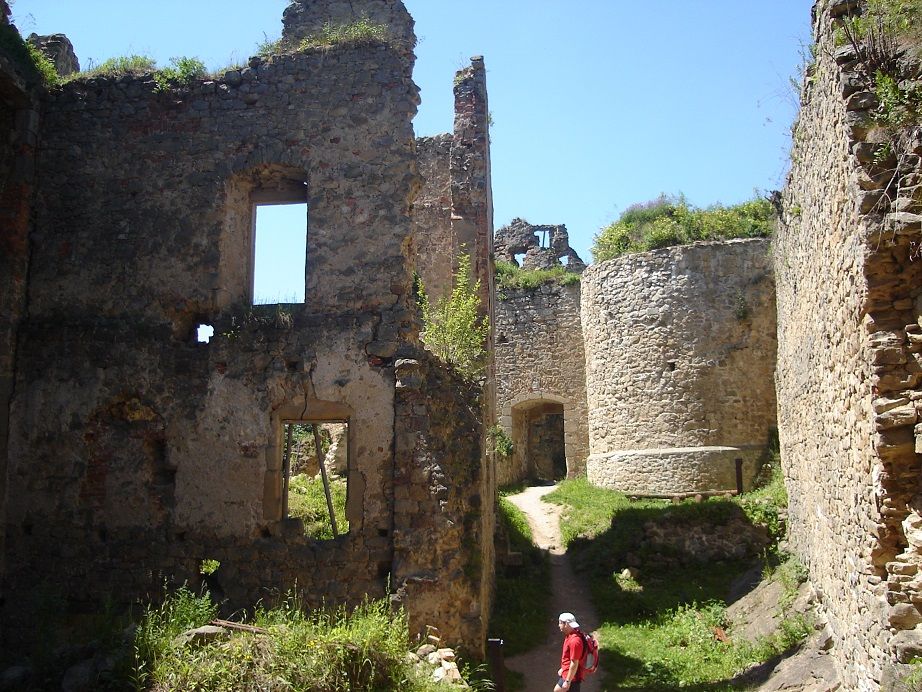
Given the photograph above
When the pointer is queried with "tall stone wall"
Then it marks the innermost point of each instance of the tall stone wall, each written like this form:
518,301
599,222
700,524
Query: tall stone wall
540,360
680,351
136,451
849,373
20,87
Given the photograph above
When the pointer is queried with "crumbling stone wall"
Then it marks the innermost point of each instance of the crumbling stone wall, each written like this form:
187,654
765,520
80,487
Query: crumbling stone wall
437,247
540,362
19,122
442,485
136,452
59,50
680,351
849,371
541,247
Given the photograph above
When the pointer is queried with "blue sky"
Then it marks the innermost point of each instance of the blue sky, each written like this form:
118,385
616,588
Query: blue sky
596,104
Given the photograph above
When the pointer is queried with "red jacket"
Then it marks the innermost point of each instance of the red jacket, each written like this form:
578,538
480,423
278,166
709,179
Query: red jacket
572,651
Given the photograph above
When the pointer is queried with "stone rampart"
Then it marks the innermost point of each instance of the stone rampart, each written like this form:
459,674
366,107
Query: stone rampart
20,89
540,372
137,451
680,350
849,372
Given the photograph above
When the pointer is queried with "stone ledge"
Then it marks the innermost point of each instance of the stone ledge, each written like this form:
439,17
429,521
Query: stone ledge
675,470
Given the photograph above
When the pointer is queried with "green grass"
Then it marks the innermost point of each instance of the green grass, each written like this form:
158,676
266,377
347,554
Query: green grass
307,500
668,221
658,630
360,649
510,277
119,66
521,608
361,31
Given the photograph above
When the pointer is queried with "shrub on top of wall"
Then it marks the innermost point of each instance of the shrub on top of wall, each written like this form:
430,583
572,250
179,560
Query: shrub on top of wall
360,32
669,220
509,276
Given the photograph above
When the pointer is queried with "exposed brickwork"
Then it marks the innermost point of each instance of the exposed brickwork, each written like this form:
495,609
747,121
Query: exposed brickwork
849,368
680,351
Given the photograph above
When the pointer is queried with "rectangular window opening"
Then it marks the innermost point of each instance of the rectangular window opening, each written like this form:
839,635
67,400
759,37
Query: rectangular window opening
280,252
316,491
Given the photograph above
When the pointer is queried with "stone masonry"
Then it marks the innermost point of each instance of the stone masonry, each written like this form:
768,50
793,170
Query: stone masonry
134,451
850,360
540,371
680,351
20,90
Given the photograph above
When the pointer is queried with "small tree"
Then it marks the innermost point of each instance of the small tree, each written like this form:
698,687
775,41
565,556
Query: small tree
453,329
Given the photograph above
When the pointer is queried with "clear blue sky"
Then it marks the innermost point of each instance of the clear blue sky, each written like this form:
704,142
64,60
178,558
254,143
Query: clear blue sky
597,104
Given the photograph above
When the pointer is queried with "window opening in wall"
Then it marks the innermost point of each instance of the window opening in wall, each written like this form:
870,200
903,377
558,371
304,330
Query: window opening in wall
203,333
565,260
280,254
519,258
315,465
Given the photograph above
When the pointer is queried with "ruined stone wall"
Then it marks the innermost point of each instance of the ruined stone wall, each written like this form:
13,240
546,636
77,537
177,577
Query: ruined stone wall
437,247
680,351
442,485
849,373
135,451
19,122
540,359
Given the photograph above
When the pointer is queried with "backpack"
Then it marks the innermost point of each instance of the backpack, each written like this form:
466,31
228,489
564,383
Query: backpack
590,662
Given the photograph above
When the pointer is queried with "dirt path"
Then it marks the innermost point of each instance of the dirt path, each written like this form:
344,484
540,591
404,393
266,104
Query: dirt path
539,666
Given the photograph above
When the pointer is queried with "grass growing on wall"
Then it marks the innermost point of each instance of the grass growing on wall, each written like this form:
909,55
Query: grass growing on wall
659,622
669,220
509,276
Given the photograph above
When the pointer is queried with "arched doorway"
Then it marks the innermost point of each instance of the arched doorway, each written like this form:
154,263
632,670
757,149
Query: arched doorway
538,439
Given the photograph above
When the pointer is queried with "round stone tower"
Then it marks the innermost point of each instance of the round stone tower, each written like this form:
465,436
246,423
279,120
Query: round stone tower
680,352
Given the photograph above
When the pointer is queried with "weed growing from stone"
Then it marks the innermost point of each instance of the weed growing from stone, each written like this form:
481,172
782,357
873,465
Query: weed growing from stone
181,72
119,66
361,31
453,329
502,443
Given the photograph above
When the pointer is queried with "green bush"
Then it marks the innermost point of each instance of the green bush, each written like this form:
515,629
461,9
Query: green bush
502,443
181,72
509,276
453,329
667,221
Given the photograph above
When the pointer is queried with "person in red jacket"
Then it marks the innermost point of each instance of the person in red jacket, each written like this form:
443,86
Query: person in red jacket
570,674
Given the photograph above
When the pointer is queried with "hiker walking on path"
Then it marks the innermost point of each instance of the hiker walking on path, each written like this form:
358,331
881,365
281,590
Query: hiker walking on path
570,674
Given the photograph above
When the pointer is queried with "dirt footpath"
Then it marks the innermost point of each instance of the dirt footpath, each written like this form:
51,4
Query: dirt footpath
540,665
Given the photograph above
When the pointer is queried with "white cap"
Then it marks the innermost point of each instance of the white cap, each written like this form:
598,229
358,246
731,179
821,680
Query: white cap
570,619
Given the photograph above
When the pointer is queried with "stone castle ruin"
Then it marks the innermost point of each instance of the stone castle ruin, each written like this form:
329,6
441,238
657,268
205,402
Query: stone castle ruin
131,451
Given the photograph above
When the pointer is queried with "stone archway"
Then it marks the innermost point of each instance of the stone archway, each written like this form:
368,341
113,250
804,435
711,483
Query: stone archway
539,440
